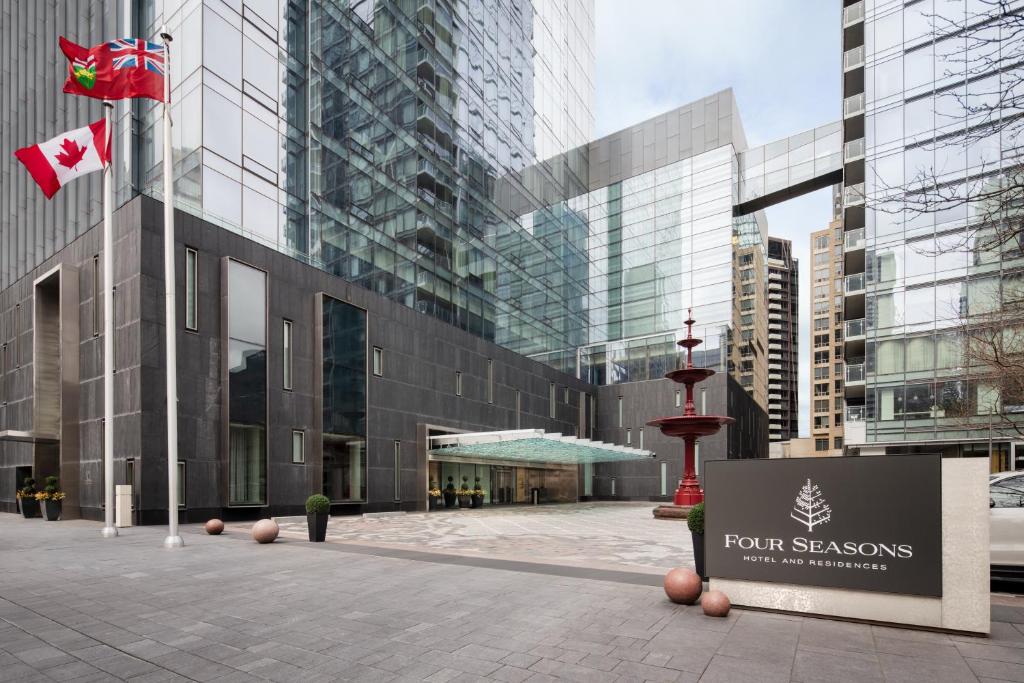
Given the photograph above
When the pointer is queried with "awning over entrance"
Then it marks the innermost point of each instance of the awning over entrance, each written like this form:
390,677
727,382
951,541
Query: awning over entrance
528,446
26,437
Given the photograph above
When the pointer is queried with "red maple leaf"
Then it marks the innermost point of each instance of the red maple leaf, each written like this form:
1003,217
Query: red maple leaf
72,153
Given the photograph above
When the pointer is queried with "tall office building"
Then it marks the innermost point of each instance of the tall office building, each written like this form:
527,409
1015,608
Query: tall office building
783,341
917,79
826,295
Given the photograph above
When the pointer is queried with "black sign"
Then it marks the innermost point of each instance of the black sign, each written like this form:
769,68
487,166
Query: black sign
866,523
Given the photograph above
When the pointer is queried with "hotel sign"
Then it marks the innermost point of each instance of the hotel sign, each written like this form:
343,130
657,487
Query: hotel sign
863,523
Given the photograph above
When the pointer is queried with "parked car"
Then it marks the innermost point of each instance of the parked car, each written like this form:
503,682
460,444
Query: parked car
1006,532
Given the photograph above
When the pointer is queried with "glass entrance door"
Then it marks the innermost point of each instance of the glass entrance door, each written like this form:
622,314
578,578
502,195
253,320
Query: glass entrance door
502,489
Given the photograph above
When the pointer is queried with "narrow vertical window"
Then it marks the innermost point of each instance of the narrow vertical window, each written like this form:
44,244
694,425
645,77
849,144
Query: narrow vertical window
181,483
97,296
518,421
703,402
551,399
593,415
696,458
620,411
664,478
398,471
298,446
641,438
613,486
286,351
629,437
458,383
15,345
679,399
378,361
566,395
490,381
191,289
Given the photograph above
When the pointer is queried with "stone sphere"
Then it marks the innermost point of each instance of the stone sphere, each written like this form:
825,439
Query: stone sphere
265,531
214,527
715,604
683,586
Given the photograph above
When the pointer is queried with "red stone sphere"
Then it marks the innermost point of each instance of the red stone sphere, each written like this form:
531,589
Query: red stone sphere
265,531
683,586
214,527
715,604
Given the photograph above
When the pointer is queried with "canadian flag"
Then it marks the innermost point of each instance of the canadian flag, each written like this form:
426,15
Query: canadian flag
55,163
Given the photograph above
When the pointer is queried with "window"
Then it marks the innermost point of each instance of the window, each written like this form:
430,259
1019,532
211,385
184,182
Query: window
821,242
298,446
97,296
286,349
641,438
629,436
344,373
679,399
458,383
247,384
703,402
837,442
821,357
664,478
181,484
191,289
15,346
821,405
566,395
821,444
490,381
620,411
551,399
398,471
378,361
518,420
820,324
820,373
821,340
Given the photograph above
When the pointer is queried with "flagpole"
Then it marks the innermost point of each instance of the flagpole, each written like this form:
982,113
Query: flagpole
109,530
173,540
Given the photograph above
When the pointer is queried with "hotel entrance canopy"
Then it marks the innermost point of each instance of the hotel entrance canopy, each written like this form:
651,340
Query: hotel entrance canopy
528,446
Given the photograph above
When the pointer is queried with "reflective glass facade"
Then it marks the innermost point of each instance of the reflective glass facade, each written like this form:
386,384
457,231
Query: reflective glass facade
920,263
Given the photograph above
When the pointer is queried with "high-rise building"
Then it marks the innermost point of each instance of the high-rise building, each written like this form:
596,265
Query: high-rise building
783,341
826,336
922,126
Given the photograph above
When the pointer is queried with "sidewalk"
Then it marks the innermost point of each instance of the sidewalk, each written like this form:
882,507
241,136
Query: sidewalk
74,606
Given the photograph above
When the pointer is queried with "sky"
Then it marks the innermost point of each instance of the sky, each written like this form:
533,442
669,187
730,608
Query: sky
780,57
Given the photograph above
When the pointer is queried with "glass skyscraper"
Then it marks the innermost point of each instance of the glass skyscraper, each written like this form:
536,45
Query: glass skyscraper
918,80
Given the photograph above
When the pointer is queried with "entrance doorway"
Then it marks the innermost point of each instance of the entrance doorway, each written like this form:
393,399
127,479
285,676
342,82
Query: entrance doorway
502,488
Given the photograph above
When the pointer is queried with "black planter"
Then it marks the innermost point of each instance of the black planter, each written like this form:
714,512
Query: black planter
477,501
29,507
449,499
465,501
435,502
51,509
698,553
317,523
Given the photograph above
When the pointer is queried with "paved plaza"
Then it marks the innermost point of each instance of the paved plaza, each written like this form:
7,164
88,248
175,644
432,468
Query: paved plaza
74,606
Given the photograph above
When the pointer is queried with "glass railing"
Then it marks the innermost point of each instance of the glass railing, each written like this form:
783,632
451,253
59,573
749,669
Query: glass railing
853,194
854,283
853,58
853,105
853,13
855,413
855,373
855,328
854,149
854,239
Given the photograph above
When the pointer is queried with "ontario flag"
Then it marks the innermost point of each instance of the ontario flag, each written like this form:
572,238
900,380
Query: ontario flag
115,70
55,163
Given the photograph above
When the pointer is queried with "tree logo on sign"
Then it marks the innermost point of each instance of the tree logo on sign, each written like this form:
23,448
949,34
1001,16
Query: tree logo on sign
810,508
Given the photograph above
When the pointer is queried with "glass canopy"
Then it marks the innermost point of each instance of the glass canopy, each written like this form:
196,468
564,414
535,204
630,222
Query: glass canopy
529,446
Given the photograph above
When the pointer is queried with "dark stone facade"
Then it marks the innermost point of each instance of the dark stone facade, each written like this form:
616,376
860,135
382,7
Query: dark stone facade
420,357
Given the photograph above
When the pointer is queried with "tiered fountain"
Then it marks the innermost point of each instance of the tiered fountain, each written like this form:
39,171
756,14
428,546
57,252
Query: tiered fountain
689,427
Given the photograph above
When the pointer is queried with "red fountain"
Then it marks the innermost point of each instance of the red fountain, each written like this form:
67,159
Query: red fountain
689,426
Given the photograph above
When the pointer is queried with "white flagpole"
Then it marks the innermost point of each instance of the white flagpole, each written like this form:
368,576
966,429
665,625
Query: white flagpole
173,540
109,530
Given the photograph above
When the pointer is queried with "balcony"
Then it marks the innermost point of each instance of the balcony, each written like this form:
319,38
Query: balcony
854,239
854,284
854,373
854,329
853,150
856,413
853,14
853,59
853,105
853,195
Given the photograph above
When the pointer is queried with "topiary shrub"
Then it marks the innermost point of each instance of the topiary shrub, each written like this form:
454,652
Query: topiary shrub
51,486
695,519
317,504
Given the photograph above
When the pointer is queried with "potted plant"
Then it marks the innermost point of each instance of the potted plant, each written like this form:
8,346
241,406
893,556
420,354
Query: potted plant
449,494
477,495
318,509
695,520
27,496
434,495
464,493
50,498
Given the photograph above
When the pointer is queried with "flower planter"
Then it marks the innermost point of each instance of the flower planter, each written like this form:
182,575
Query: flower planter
435,502
51,510
449,499
464,501
317,523
698,554
29,507
477,501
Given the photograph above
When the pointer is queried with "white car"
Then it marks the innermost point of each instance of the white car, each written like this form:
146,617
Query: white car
1006,515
